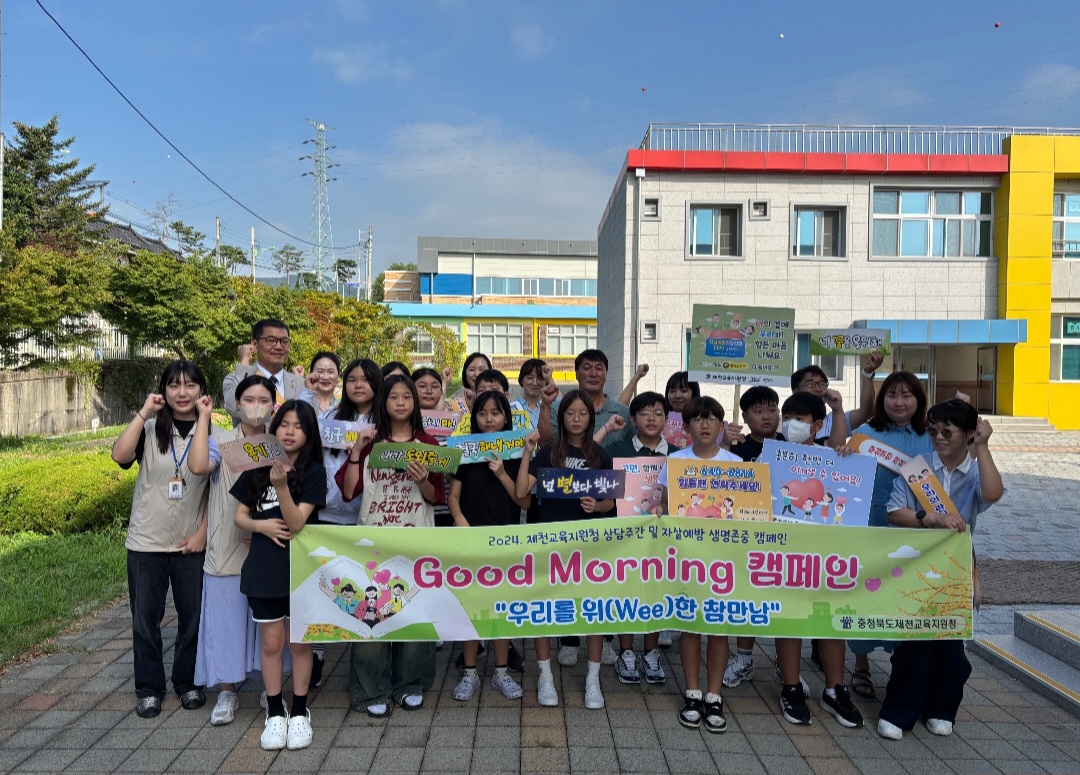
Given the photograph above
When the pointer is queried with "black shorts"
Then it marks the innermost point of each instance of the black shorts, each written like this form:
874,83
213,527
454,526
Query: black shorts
269,609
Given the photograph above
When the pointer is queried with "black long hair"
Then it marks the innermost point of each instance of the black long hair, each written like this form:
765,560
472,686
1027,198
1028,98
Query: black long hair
174,372
465,368
326,354
382,417
347,409
311,451
879,419
560,445
500,400
255,379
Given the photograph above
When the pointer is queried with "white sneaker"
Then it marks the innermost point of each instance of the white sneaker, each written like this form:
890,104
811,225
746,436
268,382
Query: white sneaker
626,667
300,731
262,700
937,726
737,672
568,656
608,655
545,692
466,687
224,709
890,731
507,686
665,638
275,734
594,697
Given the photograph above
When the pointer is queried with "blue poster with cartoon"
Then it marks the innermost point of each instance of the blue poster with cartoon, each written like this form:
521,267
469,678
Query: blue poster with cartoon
815,485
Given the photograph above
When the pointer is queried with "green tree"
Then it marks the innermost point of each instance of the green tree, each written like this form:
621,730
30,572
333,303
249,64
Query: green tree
189,241
232,256
288,259
378,287
345,270
46,200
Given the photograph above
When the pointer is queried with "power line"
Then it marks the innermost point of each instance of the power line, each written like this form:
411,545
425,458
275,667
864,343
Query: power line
169,142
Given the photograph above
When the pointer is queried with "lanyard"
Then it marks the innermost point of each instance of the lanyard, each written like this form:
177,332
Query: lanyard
180,462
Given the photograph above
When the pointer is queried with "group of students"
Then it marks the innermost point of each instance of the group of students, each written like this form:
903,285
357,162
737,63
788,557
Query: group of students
220,540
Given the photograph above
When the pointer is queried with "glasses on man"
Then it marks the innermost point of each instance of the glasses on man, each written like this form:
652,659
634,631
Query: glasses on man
274,341
657,414
942,431
709,421
813,384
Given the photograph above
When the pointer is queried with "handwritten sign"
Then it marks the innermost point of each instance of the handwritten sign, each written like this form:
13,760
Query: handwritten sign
521,418
440,460
478,447
718,489
890,458
642,493
579,483
251,452
849,341
742,345
338,434
817,485
928,489
439,424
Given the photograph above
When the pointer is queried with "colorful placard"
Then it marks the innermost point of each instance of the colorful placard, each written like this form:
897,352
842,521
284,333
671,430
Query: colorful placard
849,341
439,424
928,489
439,460
521,418
629,575
718,489
579,483
642,493
742,345
675,433
814,484
338,434
886,456
251,452
479,447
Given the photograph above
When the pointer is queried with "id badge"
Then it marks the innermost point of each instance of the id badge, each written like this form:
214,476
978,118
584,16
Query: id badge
176,489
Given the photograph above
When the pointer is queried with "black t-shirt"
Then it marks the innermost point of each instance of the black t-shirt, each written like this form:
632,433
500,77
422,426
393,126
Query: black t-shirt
266,569
183,427
484,501
562,509
750,450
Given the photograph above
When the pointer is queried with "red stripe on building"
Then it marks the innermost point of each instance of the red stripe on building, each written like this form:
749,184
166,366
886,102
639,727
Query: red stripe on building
819,163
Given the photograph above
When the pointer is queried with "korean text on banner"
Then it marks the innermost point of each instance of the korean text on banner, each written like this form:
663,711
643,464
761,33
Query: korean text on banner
251,452
338,434
579,483
849,341
642,493
742,345
478,447
440,460
718,489
814,484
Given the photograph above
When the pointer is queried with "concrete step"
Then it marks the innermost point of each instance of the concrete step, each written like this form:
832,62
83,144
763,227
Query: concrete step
1014,424
1045,674
1057,632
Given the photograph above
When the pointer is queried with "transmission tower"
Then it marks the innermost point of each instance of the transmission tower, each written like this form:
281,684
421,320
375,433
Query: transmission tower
320,232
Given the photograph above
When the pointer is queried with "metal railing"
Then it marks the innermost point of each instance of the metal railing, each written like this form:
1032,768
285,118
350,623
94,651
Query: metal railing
807,138
111,344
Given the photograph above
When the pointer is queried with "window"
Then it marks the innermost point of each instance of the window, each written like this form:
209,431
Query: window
818,232
496,338
570,340
713,231
932,224
423,344
1065,348
1066,226
759,209
832,365
650,209
534,286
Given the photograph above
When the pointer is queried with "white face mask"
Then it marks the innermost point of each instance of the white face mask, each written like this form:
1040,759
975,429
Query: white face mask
256,415
796,431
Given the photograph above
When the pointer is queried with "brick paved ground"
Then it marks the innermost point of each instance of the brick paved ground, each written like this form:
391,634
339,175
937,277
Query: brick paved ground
72,711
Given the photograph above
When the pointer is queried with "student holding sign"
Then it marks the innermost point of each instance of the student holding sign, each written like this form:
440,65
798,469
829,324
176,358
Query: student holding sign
573,447
928,677
483,495
383,671
166,533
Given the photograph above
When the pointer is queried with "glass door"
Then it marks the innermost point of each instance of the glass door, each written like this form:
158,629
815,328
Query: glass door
917,359
986,394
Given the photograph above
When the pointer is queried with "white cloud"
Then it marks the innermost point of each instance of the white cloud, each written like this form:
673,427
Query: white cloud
364,542
356,63
322,551
1064,80
905,552
530,40
932,575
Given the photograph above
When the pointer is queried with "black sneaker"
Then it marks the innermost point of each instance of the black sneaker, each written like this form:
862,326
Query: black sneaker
192,699
317,663
481,652
793,705
148,707
841,708
714,717
693,710
514,660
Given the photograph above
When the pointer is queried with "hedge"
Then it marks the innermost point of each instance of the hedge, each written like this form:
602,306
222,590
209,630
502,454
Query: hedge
65,493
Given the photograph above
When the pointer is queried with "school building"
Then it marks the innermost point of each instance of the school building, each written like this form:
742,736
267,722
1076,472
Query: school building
512,299
963,242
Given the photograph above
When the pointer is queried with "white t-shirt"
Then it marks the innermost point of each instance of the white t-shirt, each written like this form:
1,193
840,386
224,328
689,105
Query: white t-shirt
721,454
826,427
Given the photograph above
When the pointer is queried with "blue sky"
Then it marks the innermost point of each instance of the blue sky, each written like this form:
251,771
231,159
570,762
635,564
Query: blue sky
494,119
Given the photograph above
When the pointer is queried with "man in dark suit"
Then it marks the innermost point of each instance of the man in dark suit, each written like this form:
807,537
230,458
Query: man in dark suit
270,346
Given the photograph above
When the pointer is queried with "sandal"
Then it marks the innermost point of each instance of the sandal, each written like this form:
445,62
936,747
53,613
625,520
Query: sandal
861,683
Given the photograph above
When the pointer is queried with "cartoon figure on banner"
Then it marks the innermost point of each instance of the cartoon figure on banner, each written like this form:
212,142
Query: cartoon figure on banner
342,592
838,517
399,597
370,613
826,501
786,492
806,494
727,510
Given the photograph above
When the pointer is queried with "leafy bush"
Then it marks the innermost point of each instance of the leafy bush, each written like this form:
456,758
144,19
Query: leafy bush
65,493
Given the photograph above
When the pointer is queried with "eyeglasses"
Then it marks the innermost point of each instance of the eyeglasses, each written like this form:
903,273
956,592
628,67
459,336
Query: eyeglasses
710,421
942,431
577,415
324,372
813,384
274,341
659,415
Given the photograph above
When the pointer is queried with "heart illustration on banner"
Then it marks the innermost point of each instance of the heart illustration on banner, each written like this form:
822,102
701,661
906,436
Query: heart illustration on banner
372,565
873,584
897,572
382,577
335,581
799,491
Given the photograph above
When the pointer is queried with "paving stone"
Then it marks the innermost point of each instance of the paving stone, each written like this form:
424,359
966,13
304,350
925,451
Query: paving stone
11,757
30,738
398,760
773,745
643,760
305,760
124,738
55,719
497,759
784,765
447,759
149,760
589,737
537,760
80,738
878,766
48,760
832,766
593,760
99,760
339,760
973,765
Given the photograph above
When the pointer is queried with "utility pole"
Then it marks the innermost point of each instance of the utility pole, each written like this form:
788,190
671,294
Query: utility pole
217,240
370,252
320,231
359,261
252,254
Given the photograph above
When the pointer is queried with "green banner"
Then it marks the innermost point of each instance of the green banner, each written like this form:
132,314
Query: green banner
742,345
440,460
629,575
849,341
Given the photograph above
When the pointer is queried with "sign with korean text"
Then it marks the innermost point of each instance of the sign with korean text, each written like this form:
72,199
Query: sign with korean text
928,489
521,420
251,452
742,345
629,575
849,341
479,447
338,434
440,460
890,458
642,493
675,433
439,424
814,484
718,489
579,483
